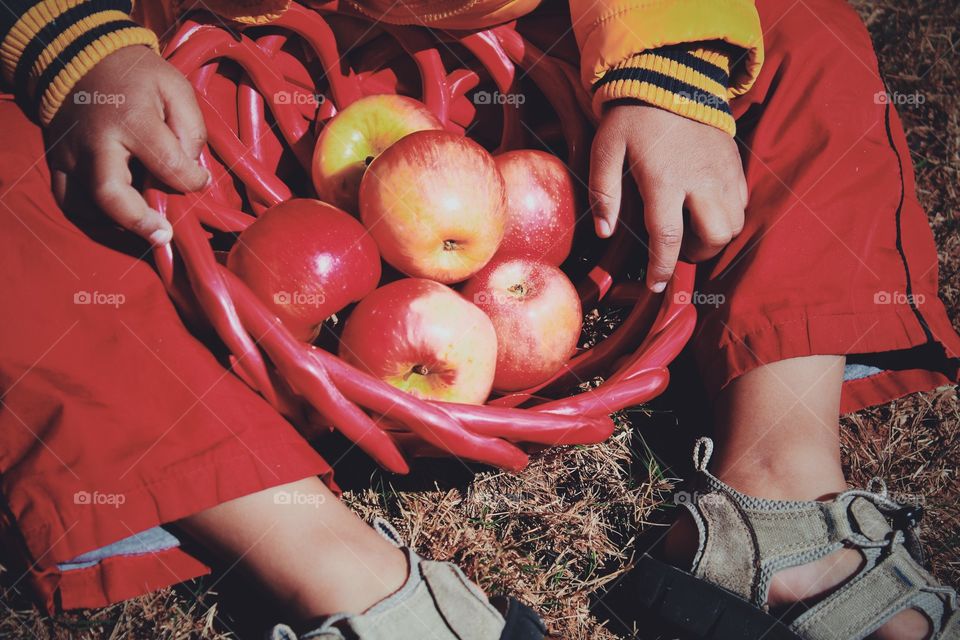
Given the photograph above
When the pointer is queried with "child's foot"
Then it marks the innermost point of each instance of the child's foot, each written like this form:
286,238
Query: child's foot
805,583
437,601
841,558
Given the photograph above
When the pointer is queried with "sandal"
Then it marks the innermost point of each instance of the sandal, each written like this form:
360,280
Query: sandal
744,541
437,602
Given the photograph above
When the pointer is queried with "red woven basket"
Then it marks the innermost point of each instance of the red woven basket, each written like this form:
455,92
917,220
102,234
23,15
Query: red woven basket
265,92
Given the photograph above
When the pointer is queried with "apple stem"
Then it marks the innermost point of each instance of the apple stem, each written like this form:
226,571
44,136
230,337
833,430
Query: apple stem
449,245
368,160
518,290
420,370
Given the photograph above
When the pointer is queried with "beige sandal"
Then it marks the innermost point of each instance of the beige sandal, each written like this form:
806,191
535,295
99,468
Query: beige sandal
437,602
744,541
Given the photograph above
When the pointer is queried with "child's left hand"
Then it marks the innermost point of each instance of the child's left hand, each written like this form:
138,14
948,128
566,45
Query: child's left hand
678,164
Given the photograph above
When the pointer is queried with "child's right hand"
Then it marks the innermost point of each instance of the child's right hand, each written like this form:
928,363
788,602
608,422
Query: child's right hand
132,104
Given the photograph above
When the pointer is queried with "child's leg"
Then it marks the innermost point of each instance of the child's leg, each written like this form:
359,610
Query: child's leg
303,545
777,437
836,257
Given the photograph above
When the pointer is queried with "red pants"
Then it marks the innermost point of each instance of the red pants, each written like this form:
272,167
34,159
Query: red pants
115,419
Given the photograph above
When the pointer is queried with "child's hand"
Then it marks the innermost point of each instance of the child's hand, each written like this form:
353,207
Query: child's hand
132,104
679,164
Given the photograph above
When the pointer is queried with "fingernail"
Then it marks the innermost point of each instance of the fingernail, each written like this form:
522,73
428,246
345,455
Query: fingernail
658,287
161,236
603,227
209,179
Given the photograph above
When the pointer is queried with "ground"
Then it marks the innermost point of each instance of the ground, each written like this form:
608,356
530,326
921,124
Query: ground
563,533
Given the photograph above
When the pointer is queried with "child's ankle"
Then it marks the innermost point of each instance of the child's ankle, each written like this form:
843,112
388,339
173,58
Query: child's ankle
792,478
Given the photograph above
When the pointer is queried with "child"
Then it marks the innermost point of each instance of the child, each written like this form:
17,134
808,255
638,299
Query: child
829,257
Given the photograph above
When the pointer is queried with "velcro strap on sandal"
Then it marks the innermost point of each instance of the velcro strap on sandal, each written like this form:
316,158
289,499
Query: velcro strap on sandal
754,538
445,606
869,600
466,610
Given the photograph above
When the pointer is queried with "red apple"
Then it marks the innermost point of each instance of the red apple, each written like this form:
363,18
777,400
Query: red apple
536,313
541,206
357,135
435,204
306,260
424,338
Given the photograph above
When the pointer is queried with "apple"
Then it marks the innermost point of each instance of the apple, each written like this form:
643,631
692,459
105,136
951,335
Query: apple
357,135
435,204
536,313
306,260
424,338
541,206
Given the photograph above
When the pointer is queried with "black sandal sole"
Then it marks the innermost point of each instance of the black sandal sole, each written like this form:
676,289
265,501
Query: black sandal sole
701,609
520,621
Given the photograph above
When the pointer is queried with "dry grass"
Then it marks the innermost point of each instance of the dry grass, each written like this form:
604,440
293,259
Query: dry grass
559,534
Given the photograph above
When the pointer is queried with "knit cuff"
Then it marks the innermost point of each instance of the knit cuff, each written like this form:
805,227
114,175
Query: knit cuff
689,80
56,42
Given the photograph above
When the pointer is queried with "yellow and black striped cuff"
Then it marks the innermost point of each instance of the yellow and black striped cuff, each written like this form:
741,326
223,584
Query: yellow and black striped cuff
55,42
689,80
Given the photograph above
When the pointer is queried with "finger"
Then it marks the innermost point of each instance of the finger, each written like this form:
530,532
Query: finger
112,192
663,218
183,116
606,176
159,150
713,224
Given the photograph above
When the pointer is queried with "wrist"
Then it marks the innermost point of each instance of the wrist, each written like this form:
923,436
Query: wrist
56,42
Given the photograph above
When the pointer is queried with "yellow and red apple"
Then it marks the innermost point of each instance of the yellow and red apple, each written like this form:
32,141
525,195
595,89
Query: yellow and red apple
358,134
424,338
435,204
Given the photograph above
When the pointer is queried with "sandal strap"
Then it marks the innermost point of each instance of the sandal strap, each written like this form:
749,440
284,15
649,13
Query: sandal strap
875,595
755,537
